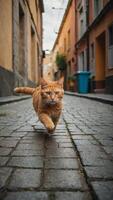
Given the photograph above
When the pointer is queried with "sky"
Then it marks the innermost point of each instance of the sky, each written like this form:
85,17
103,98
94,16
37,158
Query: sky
51,21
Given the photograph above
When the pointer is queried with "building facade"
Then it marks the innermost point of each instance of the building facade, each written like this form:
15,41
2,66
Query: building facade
20,44
85,37
65,41
48,70
94,46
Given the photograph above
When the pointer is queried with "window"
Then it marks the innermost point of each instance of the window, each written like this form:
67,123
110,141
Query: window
81,61
33,54
97,7
64,44
85,60
111,35
21,41
81,27
69,68
110,46
92,58
69,42
81,12
92,51
38,67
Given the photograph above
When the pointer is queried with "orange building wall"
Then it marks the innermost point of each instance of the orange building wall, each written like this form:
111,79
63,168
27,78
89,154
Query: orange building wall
100,28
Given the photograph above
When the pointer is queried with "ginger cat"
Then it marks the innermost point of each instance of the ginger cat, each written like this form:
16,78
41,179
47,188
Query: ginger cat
47,101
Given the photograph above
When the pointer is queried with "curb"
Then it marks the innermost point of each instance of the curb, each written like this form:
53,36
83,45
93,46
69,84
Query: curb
12,99
99,99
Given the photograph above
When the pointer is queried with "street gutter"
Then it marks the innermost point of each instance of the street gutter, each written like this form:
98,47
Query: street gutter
12,99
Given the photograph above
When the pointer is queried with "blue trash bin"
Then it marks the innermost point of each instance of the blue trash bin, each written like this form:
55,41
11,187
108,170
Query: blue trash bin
83,81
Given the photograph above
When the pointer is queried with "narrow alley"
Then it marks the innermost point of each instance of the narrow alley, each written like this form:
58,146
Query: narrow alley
75,163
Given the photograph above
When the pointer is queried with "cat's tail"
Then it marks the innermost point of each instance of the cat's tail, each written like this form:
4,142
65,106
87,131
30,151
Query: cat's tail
25,90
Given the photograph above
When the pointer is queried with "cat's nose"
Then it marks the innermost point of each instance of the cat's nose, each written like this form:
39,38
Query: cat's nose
52,97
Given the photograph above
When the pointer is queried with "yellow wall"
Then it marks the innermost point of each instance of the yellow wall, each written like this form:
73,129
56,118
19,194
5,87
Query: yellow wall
6,34
69,24
32,6
37,41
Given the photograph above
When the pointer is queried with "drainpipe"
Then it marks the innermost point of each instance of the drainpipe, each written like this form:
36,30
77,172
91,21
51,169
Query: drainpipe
87,24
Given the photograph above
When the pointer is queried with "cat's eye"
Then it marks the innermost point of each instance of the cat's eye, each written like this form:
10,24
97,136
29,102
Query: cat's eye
56,92
48,92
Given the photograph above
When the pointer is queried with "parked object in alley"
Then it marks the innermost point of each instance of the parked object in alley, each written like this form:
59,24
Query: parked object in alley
47,101
83,81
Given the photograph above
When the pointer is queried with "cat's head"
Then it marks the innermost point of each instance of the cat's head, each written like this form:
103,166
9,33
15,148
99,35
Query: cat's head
52,92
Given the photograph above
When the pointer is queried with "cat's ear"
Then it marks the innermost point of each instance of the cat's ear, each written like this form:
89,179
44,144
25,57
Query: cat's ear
61,81
43,82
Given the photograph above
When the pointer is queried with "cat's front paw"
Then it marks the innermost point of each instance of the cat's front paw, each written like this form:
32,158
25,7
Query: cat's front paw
51,128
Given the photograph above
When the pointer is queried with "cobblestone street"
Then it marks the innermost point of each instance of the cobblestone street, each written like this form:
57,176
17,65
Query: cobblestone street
76,163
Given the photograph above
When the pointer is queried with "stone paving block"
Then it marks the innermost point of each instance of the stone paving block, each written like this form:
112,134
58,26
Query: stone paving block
3,160
82,137
11,138
30,134
94,149
27,162
109,150
28,152
103,189
6,143
1,138
61,137
102,137
106,142
61,152
38,138
94,158
4,132
63,140
86,142
72,196
25,178
75,129
66,145
18,134
74,133
29,146
27,196
105,172
32,141
63,179
61,163
5,151
4,175
25,128
11,127
51,144
60,133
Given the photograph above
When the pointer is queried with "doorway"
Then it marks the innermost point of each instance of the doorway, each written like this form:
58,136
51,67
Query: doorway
100,61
